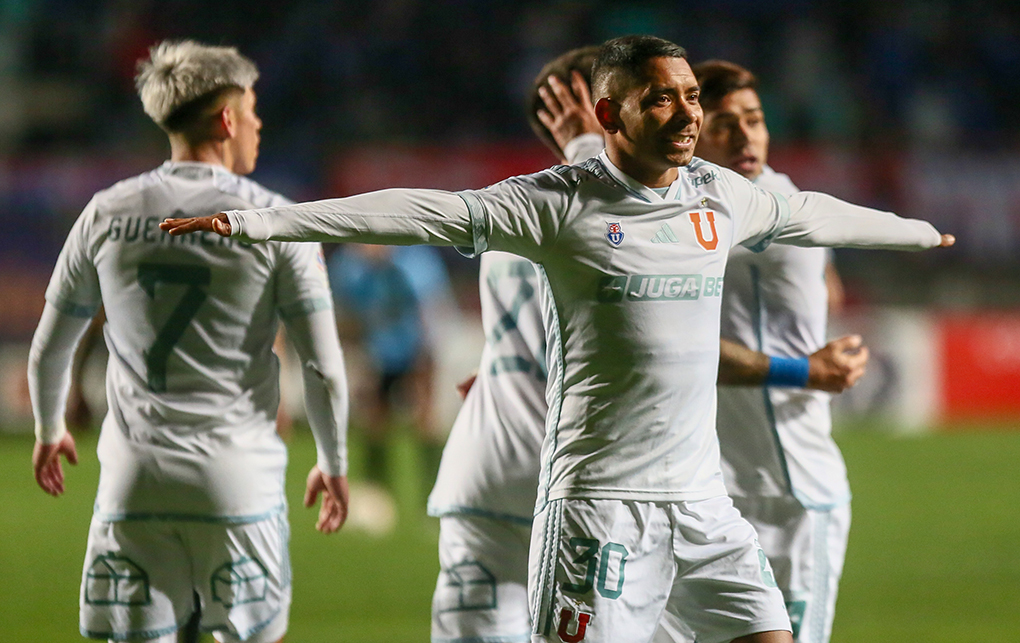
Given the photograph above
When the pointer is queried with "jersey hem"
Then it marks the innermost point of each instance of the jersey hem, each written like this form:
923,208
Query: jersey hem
141,516
462,510
636,494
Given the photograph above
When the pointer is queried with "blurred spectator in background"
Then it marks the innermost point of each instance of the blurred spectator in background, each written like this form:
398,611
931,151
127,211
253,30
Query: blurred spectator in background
391,301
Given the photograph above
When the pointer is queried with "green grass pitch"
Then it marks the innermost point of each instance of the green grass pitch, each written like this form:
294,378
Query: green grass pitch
934,549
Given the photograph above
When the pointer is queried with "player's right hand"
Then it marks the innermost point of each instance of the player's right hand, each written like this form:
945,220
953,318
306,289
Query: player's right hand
49,474
218,223
335,499
838,365
568,112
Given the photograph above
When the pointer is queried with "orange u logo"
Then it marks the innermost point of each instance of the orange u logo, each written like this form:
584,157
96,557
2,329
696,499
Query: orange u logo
696,220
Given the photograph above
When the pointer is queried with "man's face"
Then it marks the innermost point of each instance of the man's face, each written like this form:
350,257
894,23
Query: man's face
735,135
245,142
660,116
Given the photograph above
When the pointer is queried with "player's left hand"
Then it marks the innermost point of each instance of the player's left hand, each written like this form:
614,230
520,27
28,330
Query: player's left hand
947,240
49,474
335,499
838,365
218,223
568,111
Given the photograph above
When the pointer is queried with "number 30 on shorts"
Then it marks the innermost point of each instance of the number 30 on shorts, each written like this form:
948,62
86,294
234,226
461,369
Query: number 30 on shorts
600,561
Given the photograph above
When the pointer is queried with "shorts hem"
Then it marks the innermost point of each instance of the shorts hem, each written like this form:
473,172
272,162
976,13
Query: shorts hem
125,636
751,629
511,638
252,631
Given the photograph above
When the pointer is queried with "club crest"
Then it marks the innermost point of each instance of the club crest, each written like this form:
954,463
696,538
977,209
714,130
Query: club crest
614,232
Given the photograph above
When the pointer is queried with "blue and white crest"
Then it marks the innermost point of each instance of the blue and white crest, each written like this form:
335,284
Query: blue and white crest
614,232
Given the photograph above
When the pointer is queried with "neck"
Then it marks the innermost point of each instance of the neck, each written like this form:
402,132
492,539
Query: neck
211,152
652,177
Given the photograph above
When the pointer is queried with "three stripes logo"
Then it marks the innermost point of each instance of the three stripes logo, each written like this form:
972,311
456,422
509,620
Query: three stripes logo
665,235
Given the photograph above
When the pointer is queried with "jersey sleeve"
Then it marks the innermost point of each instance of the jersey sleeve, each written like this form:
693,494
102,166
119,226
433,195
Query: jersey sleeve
74,284
401,217
306,306
49,370
302,284
521,215
758,215
821,220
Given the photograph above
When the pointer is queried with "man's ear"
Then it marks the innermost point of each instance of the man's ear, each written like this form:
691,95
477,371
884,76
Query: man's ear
607,112
225,123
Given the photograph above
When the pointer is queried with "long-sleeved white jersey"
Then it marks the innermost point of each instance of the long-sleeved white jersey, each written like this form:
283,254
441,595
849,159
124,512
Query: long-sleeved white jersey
491,459
192,380
777,441
634,283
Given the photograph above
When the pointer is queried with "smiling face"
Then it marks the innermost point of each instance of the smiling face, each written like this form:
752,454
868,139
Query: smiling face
652,121
734,134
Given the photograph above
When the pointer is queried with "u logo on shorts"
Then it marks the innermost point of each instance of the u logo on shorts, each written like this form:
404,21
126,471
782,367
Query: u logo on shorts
567,615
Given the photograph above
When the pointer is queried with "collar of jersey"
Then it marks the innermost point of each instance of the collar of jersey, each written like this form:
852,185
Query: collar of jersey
170,166
636,188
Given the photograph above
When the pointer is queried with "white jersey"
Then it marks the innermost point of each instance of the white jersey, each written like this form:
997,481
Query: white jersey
491,459
192,380
632,317
777,441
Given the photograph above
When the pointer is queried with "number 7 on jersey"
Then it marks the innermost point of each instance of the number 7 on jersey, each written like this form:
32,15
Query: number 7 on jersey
195,278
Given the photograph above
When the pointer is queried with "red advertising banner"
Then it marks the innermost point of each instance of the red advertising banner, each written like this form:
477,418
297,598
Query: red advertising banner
980,366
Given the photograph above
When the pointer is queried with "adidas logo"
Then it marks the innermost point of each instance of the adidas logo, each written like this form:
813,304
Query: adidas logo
665,235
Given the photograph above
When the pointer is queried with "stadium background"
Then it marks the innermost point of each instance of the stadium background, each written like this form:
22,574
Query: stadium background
909,106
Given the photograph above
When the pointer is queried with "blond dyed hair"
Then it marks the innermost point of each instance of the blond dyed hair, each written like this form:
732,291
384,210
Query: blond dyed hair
178,78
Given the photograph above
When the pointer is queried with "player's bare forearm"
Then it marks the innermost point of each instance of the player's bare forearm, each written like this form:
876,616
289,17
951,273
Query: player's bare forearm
217,223
838,365
740,366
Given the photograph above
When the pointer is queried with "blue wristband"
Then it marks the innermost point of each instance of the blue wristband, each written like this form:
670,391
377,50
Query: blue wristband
787,371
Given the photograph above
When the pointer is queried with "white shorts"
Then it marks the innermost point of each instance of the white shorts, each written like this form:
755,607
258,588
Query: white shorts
807,548
482,590
605,571
141,579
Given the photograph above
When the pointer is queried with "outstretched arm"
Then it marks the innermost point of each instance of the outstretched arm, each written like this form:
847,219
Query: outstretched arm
834,368
818,219
49,379
393,217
